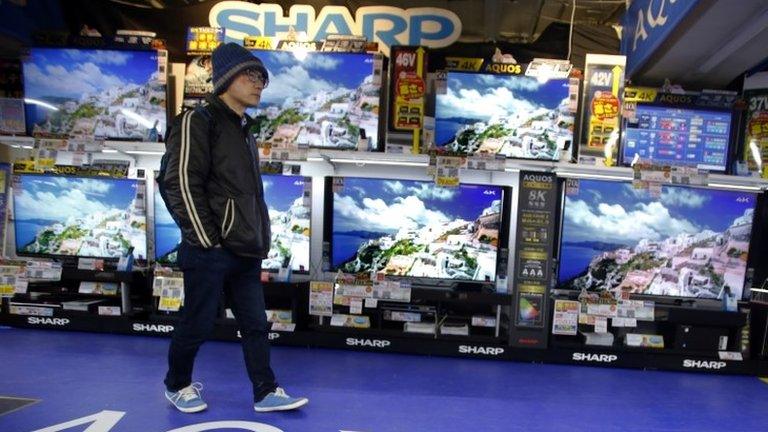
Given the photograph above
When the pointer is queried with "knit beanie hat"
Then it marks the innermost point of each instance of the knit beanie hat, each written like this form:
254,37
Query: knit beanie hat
230,59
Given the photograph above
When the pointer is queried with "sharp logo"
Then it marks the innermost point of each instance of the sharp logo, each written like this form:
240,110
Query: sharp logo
492,351
152,328
374,343
599,358
389,26
704,364
48,321
270,335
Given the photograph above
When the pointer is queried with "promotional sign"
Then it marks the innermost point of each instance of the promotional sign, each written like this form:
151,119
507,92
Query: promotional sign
533,263
203,40
407,90
603,89
646,24
386,25
756,132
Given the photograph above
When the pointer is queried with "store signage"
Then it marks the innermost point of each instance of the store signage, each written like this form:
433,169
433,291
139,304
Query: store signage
152,328
646,24
48,321
599,358
704,364
603,91
468,349
374,343
389,26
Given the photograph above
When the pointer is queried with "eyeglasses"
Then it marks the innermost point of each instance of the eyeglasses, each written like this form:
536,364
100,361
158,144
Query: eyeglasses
256,77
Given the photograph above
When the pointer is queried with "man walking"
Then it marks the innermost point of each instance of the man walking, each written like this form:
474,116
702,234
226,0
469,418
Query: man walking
212,186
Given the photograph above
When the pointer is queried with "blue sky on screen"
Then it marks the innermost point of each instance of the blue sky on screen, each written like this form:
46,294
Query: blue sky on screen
54,72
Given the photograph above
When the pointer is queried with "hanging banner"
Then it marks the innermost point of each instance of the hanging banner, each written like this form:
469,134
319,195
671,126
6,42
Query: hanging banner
603,90
646,24
386,25
756,132
536,216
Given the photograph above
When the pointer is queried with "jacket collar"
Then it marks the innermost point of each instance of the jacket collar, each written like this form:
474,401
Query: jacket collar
219,104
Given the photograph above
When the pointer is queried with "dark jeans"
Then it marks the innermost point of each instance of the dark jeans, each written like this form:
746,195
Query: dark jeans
208,273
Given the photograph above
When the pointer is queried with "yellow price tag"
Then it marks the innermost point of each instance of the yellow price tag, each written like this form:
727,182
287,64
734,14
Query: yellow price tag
170,304
7,290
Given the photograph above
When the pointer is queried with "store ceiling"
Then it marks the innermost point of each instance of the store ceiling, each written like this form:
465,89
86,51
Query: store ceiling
519,21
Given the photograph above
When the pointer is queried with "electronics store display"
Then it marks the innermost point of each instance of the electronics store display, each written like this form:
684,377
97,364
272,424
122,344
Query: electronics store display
650,273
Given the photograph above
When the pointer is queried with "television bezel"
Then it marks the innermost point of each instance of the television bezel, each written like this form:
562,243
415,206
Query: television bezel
642,296
67,258
175,265
27,122
569,148
434,282
383,99
732,134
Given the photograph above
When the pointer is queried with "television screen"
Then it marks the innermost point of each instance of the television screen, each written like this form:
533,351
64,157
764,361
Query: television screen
685,243
288,199
327,100
676,136
87,92
416,229
512,115
78,216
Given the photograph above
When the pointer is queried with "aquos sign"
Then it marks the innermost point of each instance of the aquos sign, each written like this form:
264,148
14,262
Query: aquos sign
431,27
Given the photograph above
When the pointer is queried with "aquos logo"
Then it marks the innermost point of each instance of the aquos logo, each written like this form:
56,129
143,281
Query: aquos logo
374,343
48,321
537,178
704,364
431,27
493,351
676,99
599,358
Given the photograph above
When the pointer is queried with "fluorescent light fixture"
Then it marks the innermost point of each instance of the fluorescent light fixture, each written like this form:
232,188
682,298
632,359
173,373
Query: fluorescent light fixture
512,170
146,123
27,147
735,187
40,103
569,174
108,150
315,159
378,162
145,152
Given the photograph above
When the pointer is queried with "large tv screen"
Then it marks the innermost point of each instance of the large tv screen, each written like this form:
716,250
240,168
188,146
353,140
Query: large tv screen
678,136
685,243
288,199
111,94
79,216
513,115
416,229
327,100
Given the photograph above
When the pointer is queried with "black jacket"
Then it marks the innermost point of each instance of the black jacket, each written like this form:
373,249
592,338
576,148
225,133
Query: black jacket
212,181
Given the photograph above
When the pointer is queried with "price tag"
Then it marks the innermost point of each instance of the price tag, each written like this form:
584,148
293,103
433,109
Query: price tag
7,290
447,171
171,299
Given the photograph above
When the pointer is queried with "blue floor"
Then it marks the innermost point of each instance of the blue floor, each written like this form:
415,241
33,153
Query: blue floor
77,375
